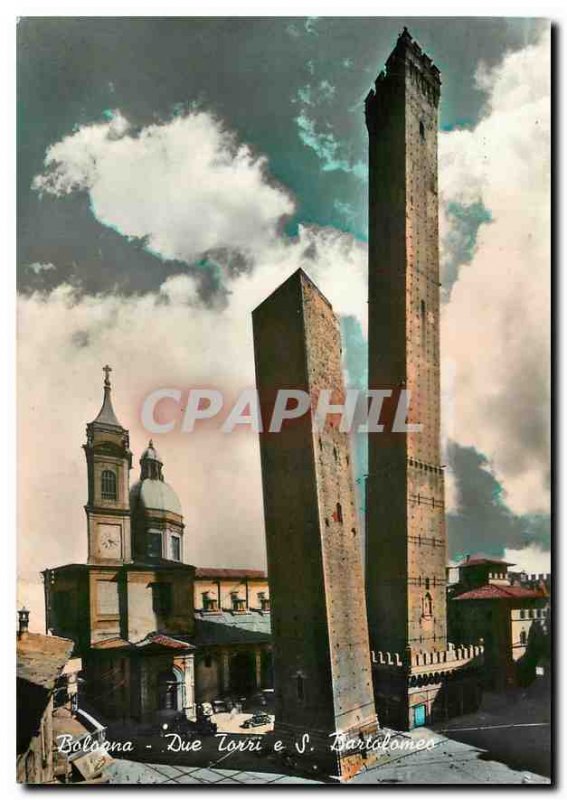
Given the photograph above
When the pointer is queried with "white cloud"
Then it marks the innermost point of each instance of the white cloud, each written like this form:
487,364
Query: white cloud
185,185
495,327
37,267
531,559
66,338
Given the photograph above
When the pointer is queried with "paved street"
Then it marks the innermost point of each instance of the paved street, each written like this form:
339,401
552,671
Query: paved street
513,727
506,742
448,762
132,772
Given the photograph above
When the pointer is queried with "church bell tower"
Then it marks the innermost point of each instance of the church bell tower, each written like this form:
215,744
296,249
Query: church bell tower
109,461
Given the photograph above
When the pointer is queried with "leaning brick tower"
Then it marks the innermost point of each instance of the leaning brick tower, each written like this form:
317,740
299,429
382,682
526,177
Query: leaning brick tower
322,666
406,540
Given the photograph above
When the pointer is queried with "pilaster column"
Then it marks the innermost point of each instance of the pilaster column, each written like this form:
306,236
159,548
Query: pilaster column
190,708
258,658
225,670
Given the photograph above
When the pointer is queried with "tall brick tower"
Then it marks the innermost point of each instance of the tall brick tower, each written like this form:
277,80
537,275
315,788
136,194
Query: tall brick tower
322,670
406,542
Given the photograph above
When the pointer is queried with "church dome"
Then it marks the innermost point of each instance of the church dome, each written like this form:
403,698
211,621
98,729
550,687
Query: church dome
155,495
151,492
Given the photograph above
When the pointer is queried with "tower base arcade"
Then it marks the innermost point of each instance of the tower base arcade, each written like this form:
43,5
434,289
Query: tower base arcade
420,689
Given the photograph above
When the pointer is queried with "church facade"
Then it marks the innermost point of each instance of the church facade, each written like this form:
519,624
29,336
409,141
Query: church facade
157,636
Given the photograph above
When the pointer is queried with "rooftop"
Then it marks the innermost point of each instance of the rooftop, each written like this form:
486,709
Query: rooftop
155,640
106,415
492,592
40,658
222,572
478,560
298,276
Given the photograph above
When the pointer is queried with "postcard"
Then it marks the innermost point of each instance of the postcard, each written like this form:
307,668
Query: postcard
284,381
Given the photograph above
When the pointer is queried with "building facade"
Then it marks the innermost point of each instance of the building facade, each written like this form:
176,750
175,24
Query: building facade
147,652
323,678
508,613
46,679
405,527
233,629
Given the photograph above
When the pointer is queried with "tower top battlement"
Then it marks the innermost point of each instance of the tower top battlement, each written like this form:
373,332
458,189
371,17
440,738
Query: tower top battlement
407,49
407,58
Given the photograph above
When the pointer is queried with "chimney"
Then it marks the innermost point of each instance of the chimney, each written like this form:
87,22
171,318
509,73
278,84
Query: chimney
24,619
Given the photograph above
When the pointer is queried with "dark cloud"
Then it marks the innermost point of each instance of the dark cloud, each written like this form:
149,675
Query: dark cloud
247,71
460,240
483,522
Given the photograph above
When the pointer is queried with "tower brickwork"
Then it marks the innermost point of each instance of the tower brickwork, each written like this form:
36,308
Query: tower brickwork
322,669
418,676
406,546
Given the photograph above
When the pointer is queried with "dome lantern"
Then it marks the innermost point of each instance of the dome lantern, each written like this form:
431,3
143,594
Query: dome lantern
151,464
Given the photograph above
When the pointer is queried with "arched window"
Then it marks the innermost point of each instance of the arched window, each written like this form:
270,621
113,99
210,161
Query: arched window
170,689
300,685
422,130
427,584
427,605
339,514
108,485
523,637
422,318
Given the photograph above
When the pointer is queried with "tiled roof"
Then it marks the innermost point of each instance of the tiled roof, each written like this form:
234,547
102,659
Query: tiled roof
475,561
152,639
163,640
223,627
111,644
220,572
40,658
492,592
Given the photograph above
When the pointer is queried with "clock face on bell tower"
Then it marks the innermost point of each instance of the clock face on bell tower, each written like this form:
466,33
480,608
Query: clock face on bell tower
109,541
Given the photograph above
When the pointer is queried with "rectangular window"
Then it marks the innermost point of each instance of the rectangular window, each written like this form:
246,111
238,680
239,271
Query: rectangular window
154,544
238,604
162,599
176,548
209,603
263,601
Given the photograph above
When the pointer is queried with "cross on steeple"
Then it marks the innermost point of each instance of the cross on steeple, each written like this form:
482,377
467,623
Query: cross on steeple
107,370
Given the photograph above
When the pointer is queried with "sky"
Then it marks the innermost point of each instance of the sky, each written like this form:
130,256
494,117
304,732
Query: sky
173,172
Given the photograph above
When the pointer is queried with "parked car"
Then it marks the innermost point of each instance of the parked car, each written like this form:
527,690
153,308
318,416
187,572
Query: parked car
256,720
